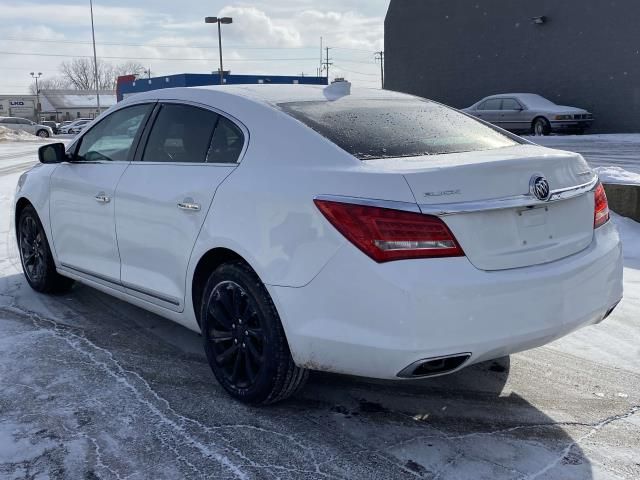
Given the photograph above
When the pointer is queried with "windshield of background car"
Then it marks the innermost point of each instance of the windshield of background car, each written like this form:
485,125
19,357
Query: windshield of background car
383,128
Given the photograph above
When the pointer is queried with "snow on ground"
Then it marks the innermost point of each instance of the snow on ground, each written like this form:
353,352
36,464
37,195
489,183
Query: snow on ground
617,175
91,387
604,150
7,135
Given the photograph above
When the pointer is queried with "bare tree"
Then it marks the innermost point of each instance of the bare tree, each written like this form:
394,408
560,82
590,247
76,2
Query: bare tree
79,73
50,83
129,68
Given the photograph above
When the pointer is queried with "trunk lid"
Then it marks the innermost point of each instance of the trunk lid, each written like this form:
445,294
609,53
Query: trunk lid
509,234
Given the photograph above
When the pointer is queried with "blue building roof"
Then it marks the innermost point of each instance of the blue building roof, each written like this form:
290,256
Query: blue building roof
129,87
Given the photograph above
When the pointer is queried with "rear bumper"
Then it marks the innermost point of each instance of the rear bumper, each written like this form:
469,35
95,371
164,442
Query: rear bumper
362,318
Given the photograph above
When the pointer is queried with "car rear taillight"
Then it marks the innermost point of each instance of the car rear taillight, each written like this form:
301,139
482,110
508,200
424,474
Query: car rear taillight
385,234
601,215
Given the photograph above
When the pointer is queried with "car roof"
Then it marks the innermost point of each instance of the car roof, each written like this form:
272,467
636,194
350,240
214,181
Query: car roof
518,95
277,93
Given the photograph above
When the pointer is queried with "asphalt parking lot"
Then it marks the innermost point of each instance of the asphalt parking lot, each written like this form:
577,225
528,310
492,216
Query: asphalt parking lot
93,388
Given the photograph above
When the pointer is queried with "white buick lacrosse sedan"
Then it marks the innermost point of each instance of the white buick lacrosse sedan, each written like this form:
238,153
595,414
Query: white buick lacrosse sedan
312,228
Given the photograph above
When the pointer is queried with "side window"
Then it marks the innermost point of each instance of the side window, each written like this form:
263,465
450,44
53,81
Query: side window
22,121
491,104
227,143
180,133
510,104
112,138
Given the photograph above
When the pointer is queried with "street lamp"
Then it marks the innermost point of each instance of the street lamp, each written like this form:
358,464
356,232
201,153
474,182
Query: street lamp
36,77
219,21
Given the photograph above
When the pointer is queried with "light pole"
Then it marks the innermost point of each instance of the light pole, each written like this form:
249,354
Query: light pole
95,58
36,77
219,21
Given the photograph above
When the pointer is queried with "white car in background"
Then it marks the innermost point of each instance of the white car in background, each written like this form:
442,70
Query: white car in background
75,126
300,227
22,124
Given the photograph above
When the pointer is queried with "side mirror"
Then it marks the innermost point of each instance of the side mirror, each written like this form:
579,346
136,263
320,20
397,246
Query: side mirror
52,153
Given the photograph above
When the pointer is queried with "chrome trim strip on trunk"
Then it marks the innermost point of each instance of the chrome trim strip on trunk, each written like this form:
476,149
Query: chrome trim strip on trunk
444,209
515,201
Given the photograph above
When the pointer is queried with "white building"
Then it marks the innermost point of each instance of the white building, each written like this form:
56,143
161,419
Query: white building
62,105
18,106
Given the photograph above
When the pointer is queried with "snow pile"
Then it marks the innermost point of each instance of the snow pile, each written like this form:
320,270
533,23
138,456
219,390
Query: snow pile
617,175
8,135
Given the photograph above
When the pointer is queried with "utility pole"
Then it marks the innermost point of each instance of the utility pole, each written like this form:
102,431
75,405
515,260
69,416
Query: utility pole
327,63
380,56
320,69
148,72
95,58
36,77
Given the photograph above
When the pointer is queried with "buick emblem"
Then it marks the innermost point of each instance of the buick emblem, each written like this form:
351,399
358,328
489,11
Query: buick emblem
539,188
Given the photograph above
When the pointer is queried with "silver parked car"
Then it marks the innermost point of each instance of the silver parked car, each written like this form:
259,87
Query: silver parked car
17,123
529,112
76,126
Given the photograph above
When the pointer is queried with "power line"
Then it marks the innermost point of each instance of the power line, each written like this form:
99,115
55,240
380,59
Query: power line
353,61
118,44
354,72
35,54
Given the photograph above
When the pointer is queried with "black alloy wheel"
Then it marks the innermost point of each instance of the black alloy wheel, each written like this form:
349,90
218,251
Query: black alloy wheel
235,334
35,255
244,339
32,250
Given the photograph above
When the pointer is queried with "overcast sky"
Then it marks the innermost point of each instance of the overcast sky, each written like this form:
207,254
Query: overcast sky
267,37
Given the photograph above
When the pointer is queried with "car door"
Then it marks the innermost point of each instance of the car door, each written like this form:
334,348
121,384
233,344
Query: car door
164,196
489,110
31,127
82,192
513,115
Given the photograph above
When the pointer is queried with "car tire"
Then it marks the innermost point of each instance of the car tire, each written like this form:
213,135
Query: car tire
541,127
42,133
35,255
244,340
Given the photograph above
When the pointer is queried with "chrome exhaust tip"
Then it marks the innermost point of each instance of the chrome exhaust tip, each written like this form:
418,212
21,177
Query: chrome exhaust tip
431,367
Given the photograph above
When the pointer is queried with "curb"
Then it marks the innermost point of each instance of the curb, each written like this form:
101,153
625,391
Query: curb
624,199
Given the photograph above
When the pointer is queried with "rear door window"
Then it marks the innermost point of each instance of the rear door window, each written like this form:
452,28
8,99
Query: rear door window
181,134
188,134
227,143
390,127
510,104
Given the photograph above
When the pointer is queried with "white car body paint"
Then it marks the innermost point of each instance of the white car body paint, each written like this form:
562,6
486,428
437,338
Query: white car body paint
341,310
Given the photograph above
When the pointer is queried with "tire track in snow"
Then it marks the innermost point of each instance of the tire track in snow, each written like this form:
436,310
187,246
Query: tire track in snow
113,368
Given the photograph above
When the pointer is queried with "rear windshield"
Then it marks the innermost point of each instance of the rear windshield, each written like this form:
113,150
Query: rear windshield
383,128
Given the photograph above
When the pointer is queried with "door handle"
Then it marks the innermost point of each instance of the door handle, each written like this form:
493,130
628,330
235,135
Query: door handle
192,207
102,198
